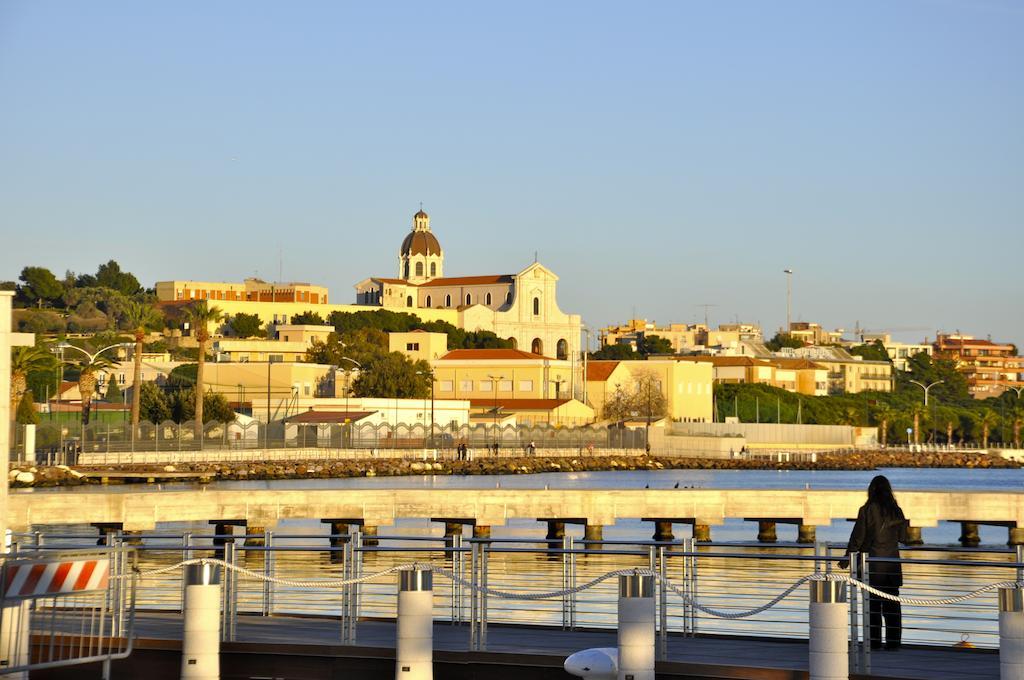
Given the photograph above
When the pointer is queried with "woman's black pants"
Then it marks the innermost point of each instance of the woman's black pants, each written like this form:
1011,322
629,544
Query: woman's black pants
878,609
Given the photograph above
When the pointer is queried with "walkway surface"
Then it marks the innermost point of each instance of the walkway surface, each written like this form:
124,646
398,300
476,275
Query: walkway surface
722,653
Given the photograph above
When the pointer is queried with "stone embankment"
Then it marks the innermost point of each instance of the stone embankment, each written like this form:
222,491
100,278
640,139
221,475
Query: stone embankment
34,476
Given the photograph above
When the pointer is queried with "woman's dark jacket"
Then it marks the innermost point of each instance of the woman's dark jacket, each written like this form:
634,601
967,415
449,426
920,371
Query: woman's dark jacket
879,535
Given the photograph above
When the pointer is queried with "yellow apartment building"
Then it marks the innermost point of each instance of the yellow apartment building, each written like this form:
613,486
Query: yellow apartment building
813,334
682,336
250,290
419,345
687,386
849,374
795,375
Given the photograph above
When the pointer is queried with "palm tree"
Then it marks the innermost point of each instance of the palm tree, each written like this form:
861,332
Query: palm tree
849,416
1016,421
949,419
987,420
883,414
25,360
920,413
139,317
89,369
200,316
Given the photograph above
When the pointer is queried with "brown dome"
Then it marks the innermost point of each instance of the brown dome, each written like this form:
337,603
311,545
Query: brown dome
421,214
420,243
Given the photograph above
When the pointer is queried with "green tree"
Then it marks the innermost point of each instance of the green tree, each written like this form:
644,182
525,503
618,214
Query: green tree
109,275
922,368
781,340
246,325
654,344
139,317
308,319
644,399
88,376
39,286
873,351
1016,419
882,414
154,404
201,315
616,352
215,407
114,394
26,413
986,420
24,361
392,375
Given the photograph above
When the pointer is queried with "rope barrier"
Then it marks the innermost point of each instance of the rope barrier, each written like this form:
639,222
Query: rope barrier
548,595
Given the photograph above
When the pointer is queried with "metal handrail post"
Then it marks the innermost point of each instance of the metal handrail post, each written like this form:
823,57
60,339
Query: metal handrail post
473,564
572,584
694,584
346,561
1019,550
854,596
268,572
662,605
357,571
865,577
565,582
483,596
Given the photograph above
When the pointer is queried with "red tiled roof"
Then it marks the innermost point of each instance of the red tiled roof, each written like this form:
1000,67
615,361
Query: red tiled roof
600,371
519,404
489,355
383,280
797,364
312,417
725,361
468,280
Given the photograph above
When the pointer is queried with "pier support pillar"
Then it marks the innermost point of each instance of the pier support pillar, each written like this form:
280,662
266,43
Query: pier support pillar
414,651
255,536
337,539
636,627
481,531
200,645
702,533
766,531
663,530
829,631
1011,633
969,537
370,535
914,536
106,529
593,532
556,530
1016,536
806,533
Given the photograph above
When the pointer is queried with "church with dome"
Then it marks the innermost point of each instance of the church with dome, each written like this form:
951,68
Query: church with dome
521,307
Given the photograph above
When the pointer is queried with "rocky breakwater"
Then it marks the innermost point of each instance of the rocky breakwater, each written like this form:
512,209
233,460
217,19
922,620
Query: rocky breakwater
38,476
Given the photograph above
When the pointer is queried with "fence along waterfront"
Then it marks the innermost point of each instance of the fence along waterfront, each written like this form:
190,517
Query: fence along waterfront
710,589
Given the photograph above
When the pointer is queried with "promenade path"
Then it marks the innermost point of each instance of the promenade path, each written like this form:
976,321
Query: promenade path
716,657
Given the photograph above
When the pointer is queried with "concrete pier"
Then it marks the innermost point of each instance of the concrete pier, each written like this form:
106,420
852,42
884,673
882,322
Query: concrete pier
556,530
663,530
969,537
702,533
766,531
593,532
481,531
1016,536
914,536
807,534
370,535
106,529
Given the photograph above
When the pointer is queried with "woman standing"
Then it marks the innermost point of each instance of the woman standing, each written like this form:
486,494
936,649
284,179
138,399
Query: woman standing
879,530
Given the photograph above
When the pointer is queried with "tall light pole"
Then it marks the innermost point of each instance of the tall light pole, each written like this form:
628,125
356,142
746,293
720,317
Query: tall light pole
432,379
789,298
494,382
60,347
586,351
926,388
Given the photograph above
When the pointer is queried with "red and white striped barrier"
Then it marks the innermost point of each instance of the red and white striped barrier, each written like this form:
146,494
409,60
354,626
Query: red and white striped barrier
46,579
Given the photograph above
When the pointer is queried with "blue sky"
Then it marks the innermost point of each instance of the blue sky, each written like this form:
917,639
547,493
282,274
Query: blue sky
657,155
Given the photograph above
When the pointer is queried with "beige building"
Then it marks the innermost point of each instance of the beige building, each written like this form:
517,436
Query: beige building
560,412
419,345
683,337
795,375
250,290
849,374
521,307
899,352
813,334
687,386
505,374
290,343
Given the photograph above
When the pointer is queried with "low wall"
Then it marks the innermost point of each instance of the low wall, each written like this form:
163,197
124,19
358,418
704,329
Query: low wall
758,434
304,454
695,446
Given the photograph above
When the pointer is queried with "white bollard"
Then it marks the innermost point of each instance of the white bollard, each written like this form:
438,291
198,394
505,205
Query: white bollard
200,643
1011,634
829,631
30,444
414,652
636,627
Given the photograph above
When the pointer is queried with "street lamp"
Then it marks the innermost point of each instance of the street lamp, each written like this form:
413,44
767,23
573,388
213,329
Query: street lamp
347,372
494,382
926,388
432,381
61,347
789,298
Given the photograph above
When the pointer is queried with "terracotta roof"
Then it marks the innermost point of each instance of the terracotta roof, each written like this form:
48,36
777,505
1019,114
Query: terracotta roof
725,361
377,278
600,371
468,280
519,404
489,354
420,243
325,417
797,364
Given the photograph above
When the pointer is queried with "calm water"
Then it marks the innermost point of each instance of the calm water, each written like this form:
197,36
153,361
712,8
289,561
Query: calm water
722,582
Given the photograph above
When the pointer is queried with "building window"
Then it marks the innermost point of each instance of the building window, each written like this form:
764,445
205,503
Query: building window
445,385
514,342
537,347
465,386
419,269
406,270
562,349
504,385
429,302
536,306
412,347
469,299
526,386
433,269
306,389
447,300
486,385
508,298
487,300
408,301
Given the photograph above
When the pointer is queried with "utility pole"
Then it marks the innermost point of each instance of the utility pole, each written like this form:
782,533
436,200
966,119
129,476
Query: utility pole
789,298
706,307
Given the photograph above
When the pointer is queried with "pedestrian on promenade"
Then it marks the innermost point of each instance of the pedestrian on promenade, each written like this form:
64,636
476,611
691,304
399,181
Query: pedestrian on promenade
879,530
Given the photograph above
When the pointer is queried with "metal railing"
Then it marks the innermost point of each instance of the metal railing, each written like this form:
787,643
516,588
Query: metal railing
723,577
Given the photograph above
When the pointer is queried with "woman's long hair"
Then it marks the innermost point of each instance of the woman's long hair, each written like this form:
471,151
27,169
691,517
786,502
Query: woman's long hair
880,493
